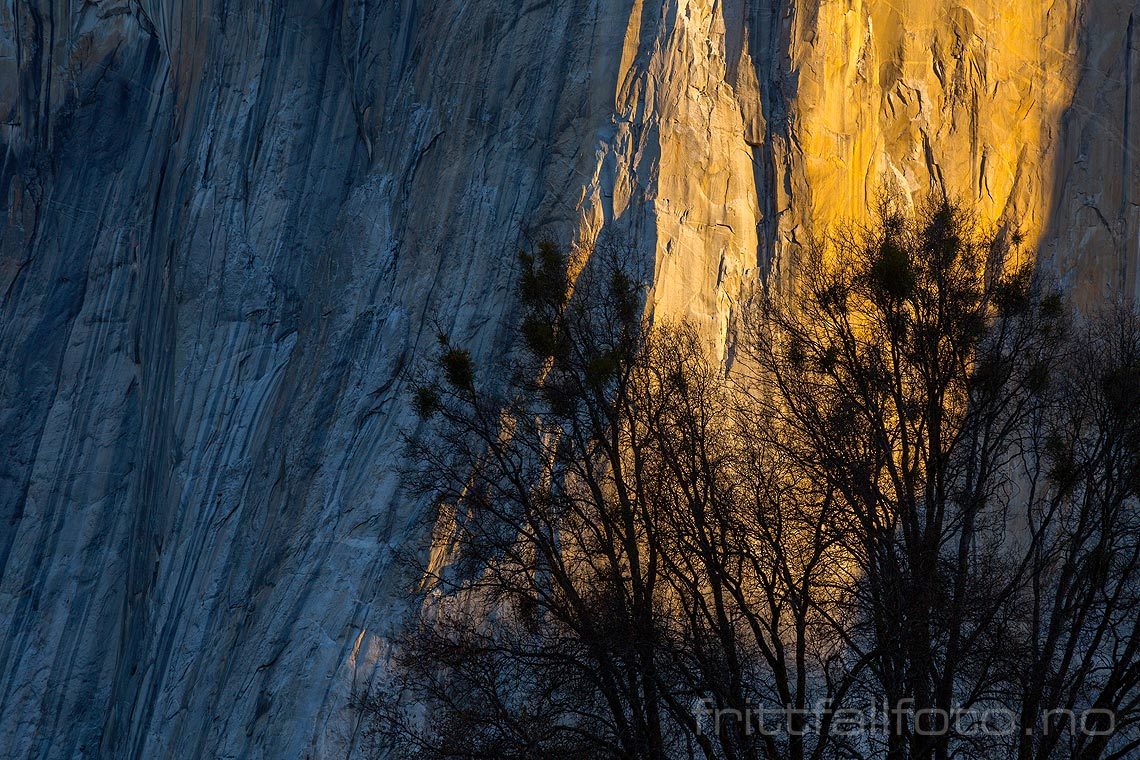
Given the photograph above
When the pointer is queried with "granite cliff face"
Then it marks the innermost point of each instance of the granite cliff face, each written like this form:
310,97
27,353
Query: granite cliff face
230,226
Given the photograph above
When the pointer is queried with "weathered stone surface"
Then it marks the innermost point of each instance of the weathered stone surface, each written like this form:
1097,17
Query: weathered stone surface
230,225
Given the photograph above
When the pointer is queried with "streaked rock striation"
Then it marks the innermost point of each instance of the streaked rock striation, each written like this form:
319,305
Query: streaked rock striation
231,226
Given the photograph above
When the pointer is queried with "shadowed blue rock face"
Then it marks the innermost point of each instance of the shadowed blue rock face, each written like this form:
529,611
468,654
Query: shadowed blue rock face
229,227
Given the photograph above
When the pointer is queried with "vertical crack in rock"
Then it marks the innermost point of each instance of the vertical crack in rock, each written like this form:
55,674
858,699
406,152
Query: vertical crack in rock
1126,283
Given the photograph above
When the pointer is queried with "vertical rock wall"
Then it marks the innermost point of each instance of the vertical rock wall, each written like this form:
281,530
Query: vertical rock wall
229,226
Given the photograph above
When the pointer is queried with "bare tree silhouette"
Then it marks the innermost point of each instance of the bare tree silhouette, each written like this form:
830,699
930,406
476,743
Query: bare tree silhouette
916,488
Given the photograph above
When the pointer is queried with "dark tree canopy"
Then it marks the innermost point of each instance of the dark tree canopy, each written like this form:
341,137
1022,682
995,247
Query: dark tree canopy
902,525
